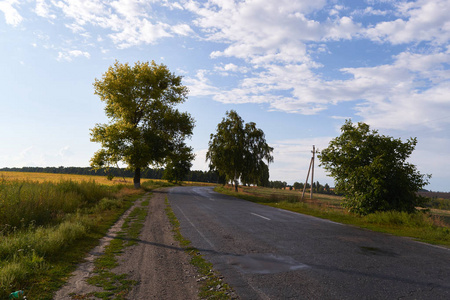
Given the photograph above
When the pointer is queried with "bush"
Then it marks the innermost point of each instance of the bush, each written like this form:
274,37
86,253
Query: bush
371,170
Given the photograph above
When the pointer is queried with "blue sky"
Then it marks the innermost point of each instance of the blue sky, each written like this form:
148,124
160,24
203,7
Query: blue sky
297,69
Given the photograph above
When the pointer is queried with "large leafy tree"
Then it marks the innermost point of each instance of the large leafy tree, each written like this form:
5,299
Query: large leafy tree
239,150
371,170
144,128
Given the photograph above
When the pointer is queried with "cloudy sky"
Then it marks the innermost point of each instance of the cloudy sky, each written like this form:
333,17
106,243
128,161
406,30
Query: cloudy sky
298,68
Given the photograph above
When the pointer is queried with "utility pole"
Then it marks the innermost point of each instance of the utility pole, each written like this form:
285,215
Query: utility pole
310,170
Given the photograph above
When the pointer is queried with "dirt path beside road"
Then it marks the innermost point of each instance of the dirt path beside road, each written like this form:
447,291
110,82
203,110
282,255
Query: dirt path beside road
157,262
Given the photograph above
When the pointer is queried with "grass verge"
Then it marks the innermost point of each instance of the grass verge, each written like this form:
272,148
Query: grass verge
38,256
421,226
211,283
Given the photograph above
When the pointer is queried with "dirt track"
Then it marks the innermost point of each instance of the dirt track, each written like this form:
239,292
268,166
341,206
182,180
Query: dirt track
157,262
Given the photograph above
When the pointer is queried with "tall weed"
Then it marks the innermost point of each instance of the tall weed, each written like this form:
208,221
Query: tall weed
24,202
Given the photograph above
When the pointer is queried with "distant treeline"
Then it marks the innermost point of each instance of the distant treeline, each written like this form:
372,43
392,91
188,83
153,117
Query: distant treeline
435,195
198,176
317,187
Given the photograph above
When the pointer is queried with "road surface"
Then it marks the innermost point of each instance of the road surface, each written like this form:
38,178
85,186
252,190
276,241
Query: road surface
269,253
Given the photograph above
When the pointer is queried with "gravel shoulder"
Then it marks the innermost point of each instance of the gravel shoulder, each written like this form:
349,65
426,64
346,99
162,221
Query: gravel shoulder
157,262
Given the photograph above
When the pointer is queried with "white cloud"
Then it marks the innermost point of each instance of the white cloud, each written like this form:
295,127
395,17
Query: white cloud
69,55
272,40
342,28
131,9
271,37
182,29
43,10
259,31
370,11
200,85
226,69
128,23
413,90
139,32
12,16
423,21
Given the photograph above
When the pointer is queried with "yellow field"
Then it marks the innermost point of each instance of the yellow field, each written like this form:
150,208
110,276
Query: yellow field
49,177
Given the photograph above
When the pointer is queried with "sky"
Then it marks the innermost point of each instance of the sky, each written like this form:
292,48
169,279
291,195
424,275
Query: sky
298,69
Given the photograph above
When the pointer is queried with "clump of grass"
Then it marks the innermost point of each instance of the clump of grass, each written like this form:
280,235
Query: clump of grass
396,218
419,225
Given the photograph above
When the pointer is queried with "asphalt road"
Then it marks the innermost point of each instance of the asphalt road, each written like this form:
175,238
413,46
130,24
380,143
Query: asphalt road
269,253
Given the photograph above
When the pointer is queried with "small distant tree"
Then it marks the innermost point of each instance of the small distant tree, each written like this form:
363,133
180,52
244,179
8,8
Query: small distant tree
319,188
239,151
144,127
277,184
178,163
327,188
371,170
298,186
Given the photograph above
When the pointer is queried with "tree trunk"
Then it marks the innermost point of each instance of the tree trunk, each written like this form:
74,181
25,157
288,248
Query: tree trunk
137,178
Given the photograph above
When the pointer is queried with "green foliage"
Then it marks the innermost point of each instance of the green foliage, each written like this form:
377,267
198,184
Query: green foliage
298,185
277,184
239,151
23,255
372,172
144,126
178,163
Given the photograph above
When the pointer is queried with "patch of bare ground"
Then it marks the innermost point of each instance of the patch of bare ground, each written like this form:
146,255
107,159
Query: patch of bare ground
157,262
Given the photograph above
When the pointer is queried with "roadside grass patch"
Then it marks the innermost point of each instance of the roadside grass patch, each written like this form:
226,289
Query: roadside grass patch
211,283
422,225
48,227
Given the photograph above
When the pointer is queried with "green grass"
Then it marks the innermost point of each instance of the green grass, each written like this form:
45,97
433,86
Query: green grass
421,226
47,228
25,203
212,286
